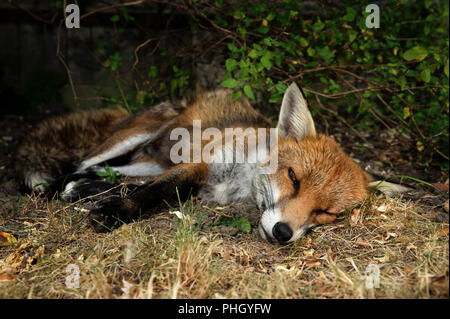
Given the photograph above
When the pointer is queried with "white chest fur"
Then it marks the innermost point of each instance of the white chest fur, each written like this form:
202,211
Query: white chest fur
231,182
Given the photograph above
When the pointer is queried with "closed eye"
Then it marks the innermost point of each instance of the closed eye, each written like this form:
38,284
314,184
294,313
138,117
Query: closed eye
294,179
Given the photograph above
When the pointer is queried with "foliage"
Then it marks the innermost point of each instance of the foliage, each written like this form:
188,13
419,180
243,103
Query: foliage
395,76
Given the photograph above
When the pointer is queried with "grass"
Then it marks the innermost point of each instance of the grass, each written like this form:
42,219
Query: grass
197,257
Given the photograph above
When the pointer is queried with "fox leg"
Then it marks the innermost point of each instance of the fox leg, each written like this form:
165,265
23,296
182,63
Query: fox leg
131,133
180,180
83,185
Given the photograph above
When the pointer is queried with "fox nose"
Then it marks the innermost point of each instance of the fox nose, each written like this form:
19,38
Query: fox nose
282,232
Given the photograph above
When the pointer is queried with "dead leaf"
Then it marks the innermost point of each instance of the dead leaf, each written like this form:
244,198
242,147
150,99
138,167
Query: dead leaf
442,187
355,217
383,259
309,252
441,282
308,242
360,242
446,206
382,208
444,231
313,263
7,239
129,289
390,235
7,279
244,258
25,256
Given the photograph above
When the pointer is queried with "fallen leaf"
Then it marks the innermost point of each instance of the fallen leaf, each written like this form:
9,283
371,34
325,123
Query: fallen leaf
382,208
178,214
446,206
383,259
7,279
442,187
440,282
308,242
7,239
309,252
390,235
355,217
129,289
444,231
313,263
25,256
360,242
244,258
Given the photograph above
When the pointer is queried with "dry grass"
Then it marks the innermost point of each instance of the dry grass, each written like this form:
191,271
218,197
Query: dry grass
168,257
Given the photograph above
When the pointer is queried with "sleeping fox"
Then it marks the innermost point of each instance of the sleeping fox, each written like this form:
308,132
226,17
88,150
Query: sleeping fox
313,181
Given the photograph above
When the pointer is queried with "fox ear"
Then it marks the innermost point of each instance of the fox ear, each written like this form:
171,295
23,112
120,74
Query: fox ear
295,119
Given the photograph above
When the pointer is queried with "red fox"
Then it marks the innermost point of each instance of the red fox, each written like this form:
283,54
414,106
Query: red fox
313,181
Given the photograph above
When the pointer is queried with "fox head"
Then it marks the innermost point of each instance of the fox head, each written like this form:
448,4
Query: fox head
315,180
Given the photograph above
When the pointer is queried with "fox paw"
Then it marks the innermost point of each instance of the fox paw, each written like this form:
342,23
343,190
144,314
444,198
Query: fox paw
85,187
112,214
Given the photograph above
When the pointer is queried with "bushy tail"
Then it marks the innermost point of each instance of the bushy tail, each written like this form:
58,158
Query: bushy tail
387,186
55,146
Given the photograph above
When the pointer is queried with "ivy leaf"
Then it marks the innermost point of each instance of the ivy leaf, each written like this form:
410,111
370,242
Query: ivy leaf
266,60
415,53
310,51
318,26
325,53
303,42
248,91
446,69
351,14
425,75
229,83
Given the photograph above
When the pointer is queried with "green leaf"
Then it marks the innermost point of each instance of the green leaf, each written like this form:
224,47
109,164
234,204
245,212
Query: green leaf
152,72
229,83
253,54
415,53
230,64
115,18
425,75
240,223
236,94
232,47
266,60
325,53
318,26
446,69
248,91
303,42
351,14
